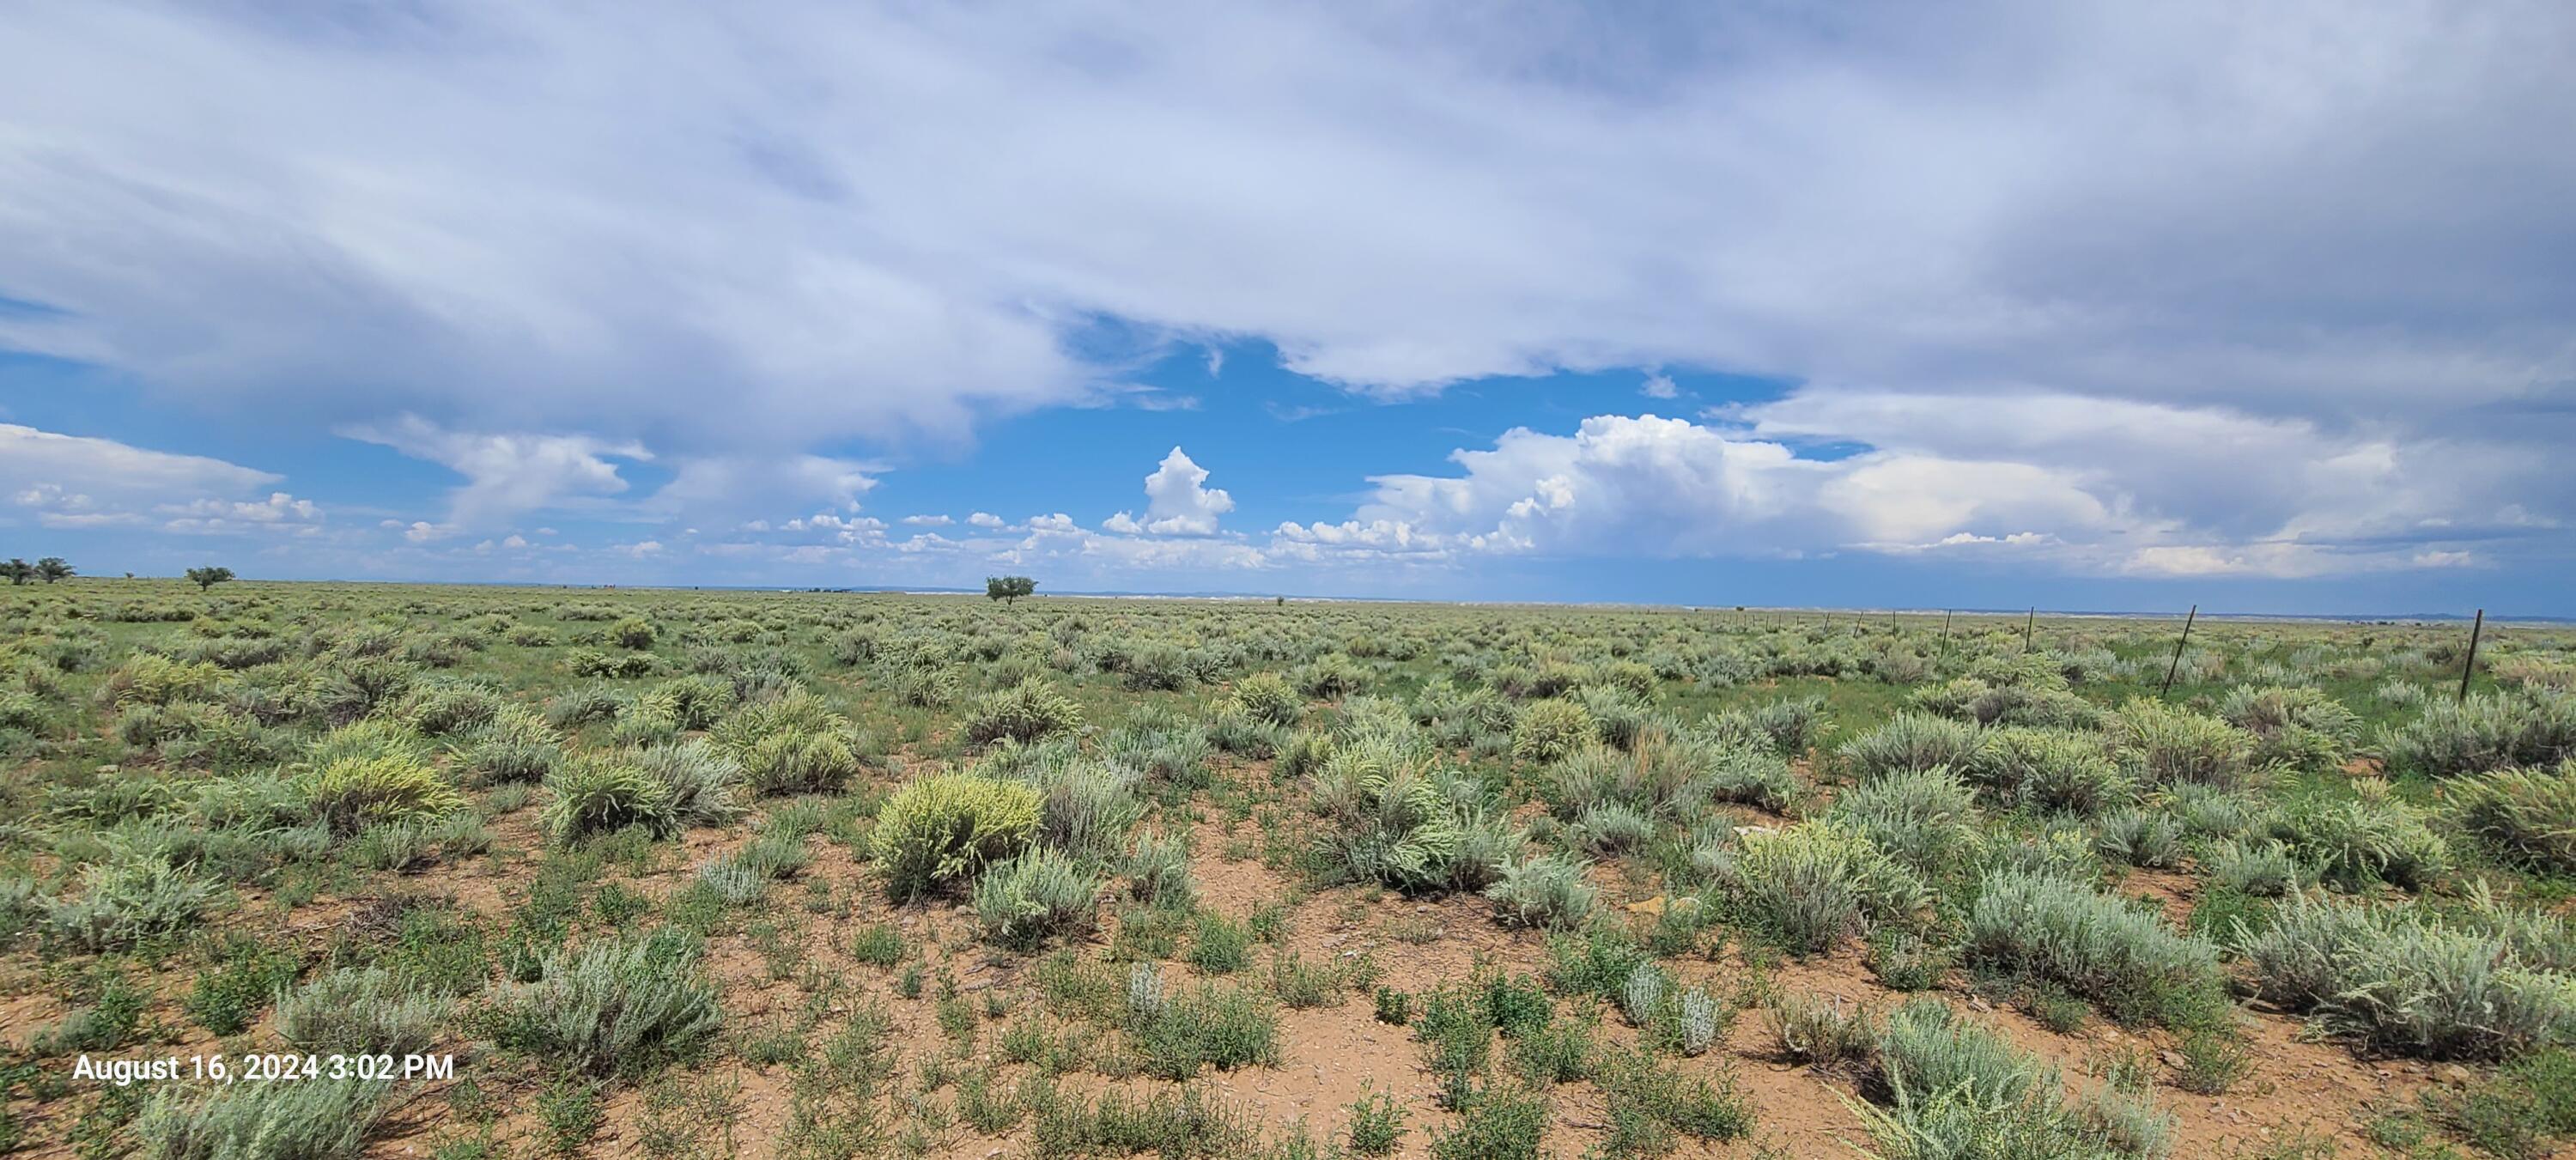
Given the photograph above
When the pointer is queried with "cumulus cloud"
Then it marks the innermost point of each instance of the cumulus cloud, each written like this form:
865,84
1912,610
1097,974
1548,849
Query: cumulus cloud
1178,502
2046,493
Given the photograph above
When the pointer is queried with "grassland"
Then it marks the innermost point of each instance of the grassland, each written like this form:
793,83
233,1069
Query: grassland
804,874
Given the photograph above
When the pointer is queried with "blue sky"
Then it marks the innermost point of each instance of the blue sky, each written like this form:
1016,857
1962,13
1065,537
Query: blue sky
2078,306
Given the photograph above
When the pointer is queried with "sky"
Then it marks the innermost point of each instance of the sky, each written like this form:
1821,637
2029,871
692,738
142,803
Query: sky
2264,308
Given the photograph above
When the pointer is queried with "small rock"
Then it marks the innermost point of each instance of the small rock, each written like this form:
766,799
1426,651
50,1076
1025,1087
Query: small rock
2455,1075
2172,1058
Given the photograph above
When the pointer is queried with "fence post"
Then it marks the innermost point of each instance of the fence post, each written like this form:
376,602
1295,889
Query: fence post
2027,625
2471,665
2176,666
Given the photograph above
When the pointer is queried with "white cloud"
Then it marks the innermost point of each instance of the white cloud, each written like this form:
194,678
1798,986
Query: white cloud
32,459
444,206
73,482
984,520
1177,502
1659,386
2160,287
928,521
507,474
279,512
724,488
1669,487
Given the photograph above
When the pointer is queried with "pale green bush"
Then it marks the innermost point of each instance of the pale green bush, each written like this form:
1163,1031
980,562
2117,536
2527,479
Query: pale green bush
949,825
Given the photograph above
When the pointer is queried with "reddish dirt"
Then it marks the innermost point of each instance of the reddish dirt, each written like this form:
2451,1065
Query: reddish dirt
1331,1056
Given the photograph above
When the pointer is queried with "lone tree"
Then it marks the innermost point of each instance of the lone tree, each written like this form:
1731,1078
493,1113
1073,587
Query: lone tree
1009,589
18,571
206,578
53,568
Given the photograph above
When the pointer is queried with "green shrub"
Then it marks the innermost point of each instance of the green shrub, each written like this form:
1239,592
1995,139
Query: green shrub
1457,1038
516,746
1815,884
1549,730
2396,981
948,825
878,944
1928,1050
1031,898
2524,1111
1824,1033
2127,960
230,991
1221,946
577,707
2527,815
354,793
598,794
611,1007
1926,819
633,632
1914,743
1158,872
128,901
1497,1123
2357,841
1649,1100
310,1119
699,781
695,702
2266,869
1377,1124
2295,726
1388,820
361,1010
441,706
1267,697
1905,961
1028,711
2490,731
1329,677
1550,891
2171,746
1226,1028
790,744
2148,839
1748,774
2051,770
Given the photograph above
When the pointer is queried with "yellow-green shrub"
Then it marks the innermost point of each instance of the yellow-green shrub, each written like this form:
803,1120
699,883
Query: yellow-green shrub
354,793
1024,712
1551,729
790,744
948,825
596,794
